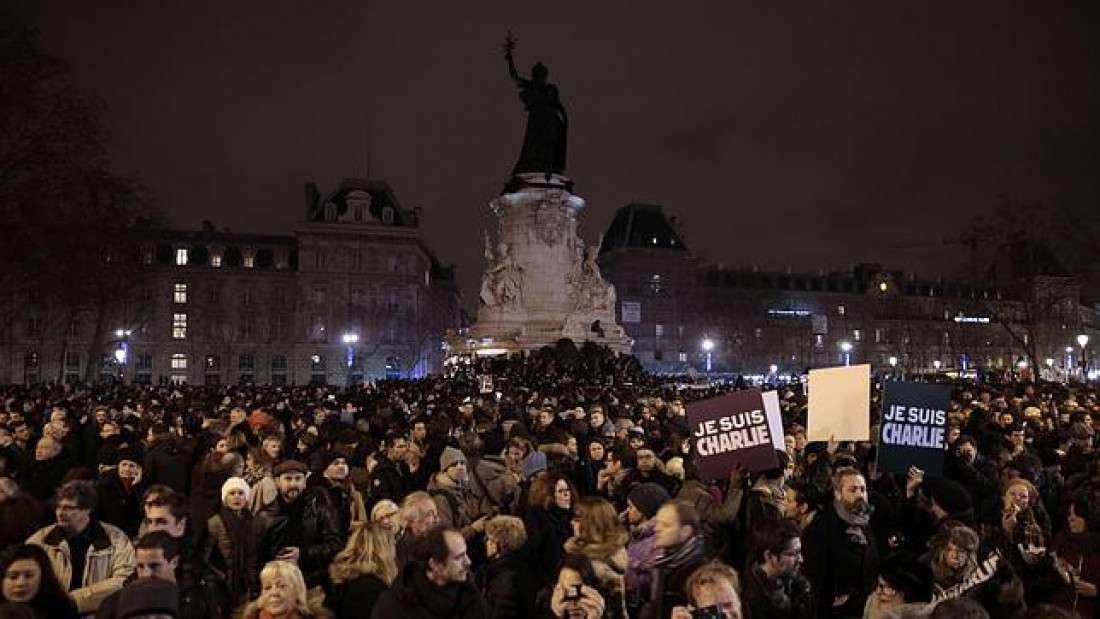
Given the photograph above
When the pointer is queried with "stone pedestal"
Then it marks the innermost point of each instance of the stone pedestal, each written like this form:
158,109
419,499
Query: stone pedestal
540,282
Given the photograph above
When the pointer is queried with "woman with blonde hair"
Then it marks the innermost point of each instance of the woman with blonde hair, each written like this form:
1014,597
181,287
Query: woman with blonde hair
598,536
362,570
953,553
387,514
283,595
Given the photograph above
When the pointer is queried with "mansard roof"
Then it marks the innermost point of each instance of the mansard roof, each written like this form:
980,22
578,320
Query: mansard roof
642,226
360,201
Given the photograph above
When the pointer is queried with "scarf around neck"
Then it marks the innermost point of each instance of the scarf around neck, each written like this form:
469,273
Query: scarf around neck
856,522
685,553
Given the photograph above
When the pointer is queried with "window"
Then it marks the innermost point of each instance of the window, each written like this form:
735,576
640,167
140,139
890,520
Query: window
181,256
840,310
179,361
74,328
759,333
212,292
212,362
247,295
278,370
216,258
857,335
819,341
179,293
878,336
72,367
30,368
318,328
683,357
146,256
179,326
279,327
146,294
246,363
143,362
34,326
318,370
395,264
655,284
659,330
247,325
249,258
318,296
319,260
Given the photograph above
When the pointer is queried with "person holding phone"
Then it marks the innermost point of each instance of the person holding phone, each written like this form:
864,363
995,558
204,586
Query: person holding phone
712,594
577,593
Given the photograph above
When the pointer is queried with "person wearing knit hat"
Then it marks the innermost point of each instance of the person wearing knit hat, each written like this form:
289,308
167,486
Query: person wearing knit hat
120,490
239,484
904,584
148,597
950,499
533,464
451,457
647,498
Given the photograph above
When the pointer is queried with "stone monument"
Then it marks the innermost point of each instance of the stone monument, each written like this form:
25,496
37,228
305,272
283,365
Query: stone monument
541,282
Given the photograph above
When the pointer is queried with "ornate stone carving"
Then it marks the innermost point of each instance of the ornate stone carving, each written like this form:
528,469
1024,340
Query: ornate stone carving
502,282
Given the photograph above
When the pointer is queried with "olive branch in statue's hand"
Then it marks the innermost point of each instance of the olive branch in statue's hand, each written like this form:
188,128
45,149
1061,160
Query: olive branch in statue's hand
509,44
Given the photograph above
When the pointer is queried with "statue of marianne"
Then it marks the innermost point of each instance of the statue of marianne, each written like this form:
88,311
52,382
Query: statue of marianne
544,143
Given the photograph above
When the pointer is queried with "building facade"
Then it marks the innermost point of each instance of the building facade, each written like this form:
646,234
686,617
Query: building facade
686,315
355,293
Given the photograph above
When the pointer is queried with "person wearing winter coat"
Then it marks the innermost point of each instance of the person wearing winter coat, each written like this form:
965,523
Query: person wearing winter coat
548,524
437,583
507,581
230,544
641,550
168,460
460,505
91,559
120,491
598,536
362,571
773,587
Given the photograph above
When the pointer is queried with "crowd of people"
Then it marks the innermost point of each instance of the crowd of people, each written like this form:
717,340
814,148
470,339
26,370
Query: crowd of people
555,484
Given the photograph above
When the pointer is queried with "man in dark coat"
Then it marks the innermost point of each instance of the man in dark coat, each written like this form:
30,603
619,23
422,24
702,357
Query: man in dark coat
120,490
389,479
202,590
298,526
436,584
772,586
168,460
839,547
680,552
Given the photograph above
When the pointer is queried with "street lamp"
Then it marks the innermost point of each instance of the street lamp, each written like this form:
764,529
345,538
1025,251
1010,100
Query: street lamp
350,339
937,364
122,353
893,362
846,347
774,368
708,347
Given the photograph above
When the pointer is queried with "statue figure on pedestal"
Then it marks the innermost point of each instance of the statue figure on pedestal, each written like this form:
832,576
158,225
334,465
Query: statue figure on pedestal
594,294
547,123
502,282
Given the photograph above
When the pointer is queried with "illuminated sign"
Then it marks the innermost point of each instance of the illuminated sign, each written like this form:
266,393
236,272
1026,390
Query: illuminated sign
784,312
972,319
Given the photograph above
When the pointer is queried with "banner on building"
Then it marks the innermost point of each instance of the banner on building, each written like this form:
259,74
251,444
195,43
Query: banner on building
913,427
631,312
839,404
731,430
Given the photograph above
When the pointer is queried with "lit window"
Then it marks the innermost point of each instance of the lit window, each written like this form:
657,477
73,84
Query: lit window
819,341
216,259
683,357
179,293
179,326
840,310
659,330
857,335
179,361
249,258
883,286
147,256
878,336
181,256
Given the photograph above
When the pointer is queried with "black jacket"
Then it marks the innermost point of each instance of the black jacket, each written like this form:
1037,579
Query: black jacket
309,523
777,598
413,596
119,505
547,531
355,598
168,462
388,480
509,587
839,565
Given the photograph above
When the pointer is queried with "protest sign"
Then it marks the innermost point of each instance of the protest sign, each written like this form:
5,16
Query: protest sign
913,429
775,419
728,431
839,404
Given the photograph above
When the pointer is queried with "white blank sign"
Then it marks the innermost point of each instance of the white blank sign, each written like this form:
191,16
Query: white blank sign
839,404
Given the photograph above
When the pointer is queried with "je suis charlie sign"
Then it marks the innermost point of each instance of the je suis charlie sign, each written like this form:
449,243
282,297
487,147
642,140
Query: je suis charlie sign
913,427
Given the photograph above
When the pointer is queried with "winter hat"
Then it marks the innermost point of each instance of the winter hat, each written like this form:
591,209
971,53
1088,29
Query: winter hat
236,483
289,466
952,497
908,576
132,452
450,457
648,498
148,596
533,464
327,457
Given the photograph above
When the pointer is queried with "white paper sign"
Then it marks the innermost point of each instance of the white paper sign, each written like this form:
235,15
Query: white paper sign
775,419
839,404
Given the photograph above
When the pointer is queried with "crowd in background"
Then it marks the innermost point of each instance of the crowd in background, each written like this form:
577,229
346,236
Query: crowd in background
555,484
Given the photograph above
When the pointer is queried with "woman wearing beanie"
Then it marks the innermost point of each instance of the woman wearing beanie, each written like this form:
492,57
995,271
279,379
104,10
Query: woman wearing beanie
230,547
642,504
904,589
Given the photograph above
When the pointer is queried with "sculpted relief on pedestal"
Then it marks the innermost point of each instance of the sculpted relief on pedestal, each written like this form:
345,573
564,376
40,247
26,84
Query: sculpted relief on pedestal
593,294
502,282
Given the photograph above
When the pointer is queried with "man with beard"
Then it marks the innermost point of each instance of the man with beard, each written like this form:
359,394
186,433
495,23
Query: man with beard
839,545
773,587
460,505
436,584
297,526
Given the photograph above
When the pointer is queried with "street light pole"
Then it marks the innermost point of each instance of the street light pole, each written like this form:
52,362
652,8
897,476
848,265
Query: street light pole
1083,341
708,347
846,348
350,339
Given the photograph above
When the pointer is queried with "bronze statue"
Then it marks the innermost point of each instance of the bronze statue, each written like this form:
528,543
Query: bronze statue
547,124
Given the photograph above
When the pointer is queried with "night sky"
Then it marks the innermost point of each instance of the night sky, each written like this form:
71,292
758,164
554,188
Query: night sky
805,134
